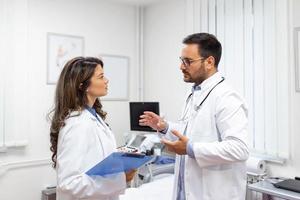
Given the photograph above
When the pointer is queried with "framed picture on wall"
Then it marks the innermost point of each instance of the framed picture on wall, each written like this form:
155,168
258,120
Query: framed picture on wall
116,69
297,57
61,48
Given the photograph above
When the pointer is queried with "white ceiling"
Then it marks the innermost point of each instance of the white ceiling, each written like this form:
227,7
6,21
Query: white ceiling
137,2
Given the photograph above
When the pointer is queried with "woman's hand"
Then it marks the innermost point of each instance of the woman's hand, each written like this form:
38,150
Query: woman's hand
130,175
152,120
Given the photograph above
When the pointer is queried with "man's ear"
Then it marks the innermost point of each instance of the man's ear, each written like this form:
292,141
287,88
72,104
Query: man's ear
210,62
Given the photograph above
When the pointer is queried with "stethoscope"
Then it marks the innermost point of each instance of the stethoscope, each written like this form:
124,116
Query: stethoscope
196,108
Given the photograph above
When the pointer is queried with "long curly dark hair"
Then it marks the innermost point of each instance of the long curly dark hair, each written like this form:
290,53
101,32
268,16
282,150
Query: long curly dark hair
71,95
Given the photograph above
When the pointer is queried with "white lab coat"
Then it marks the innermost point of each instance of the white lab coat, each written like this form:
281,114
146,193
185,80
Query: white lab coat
218,132
82,143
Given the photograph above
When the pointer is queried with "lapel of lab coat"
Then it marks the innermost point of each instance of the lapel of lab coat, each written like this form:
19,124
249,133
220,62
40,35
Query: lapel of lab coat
105,135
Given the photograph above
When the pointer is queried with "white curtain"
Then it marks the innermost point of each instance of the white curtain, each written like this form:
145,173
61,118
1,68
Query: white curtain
14,70
255,60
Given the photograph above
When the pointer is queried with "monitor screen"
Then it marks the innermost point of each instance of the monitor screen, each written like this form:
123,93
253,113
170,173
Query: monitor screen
137,141
137,109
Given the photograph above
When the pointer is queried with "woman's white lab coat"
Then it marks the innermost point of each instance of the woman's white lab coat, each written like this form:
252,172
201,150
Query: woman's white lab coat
218,132
82,143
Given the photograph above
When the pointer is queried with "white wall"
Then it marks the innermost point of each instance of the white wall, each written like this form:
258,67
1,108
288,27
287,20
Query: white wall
164,30
108,28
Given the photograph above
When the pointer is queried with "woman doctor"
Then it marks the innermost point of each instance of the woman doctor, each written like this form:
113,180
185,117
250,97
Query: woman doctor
79,136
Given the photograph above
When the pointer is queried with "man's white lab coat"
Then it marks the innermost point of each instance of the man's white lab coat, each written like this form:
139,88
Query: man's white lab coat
218,132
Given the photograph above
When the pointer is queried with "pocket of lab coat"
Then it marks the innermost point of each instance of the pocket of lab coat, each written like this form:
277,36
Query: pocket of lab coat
217,184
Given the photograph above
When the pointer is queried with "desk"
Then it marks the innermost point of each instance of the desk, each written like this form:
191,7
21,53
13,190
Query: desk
267,189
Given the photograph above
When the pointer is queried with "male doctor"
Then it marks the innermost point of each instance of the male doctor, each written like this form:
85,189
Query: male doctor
210,139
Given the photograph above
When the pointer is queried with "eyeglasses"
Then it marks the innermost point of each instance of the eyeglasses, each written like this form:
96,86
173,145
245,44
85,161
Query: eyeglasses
187,62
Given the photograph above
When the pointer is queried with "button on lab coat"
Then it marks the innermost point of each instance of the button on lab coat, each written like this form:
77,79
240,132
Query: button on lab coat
218,132
82,143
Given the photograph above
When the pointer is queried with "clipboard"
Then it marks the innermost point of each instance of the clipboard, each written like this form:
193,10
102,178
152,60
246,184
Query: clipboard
118,162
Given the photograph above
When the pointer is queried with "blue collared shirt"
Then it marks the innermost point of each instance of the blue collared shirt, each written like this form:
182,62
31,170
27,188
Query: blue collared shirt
93,112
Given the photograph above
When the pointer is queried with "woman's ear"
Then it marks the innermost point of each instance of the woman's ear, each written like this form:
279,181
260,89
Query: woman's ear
80,86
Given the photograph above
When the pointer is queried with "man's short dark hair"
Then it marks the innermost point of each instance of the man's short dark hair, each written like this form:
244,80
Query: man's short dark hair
208,45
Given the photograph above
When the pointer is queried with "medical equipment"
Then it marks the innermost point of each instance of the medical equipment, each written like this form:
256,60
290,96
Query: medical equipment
137,109
147,173
134,144
143,143
49,193
256,169
289,184
149,144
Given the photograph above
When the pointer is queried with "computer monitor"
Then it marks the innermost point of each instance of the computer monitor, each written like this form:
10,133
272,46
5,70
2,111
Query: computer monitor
137,109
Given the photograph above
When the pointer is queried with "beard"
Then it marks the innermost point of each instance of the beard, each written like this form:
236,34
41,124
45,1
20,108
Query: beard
198,77
187,77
